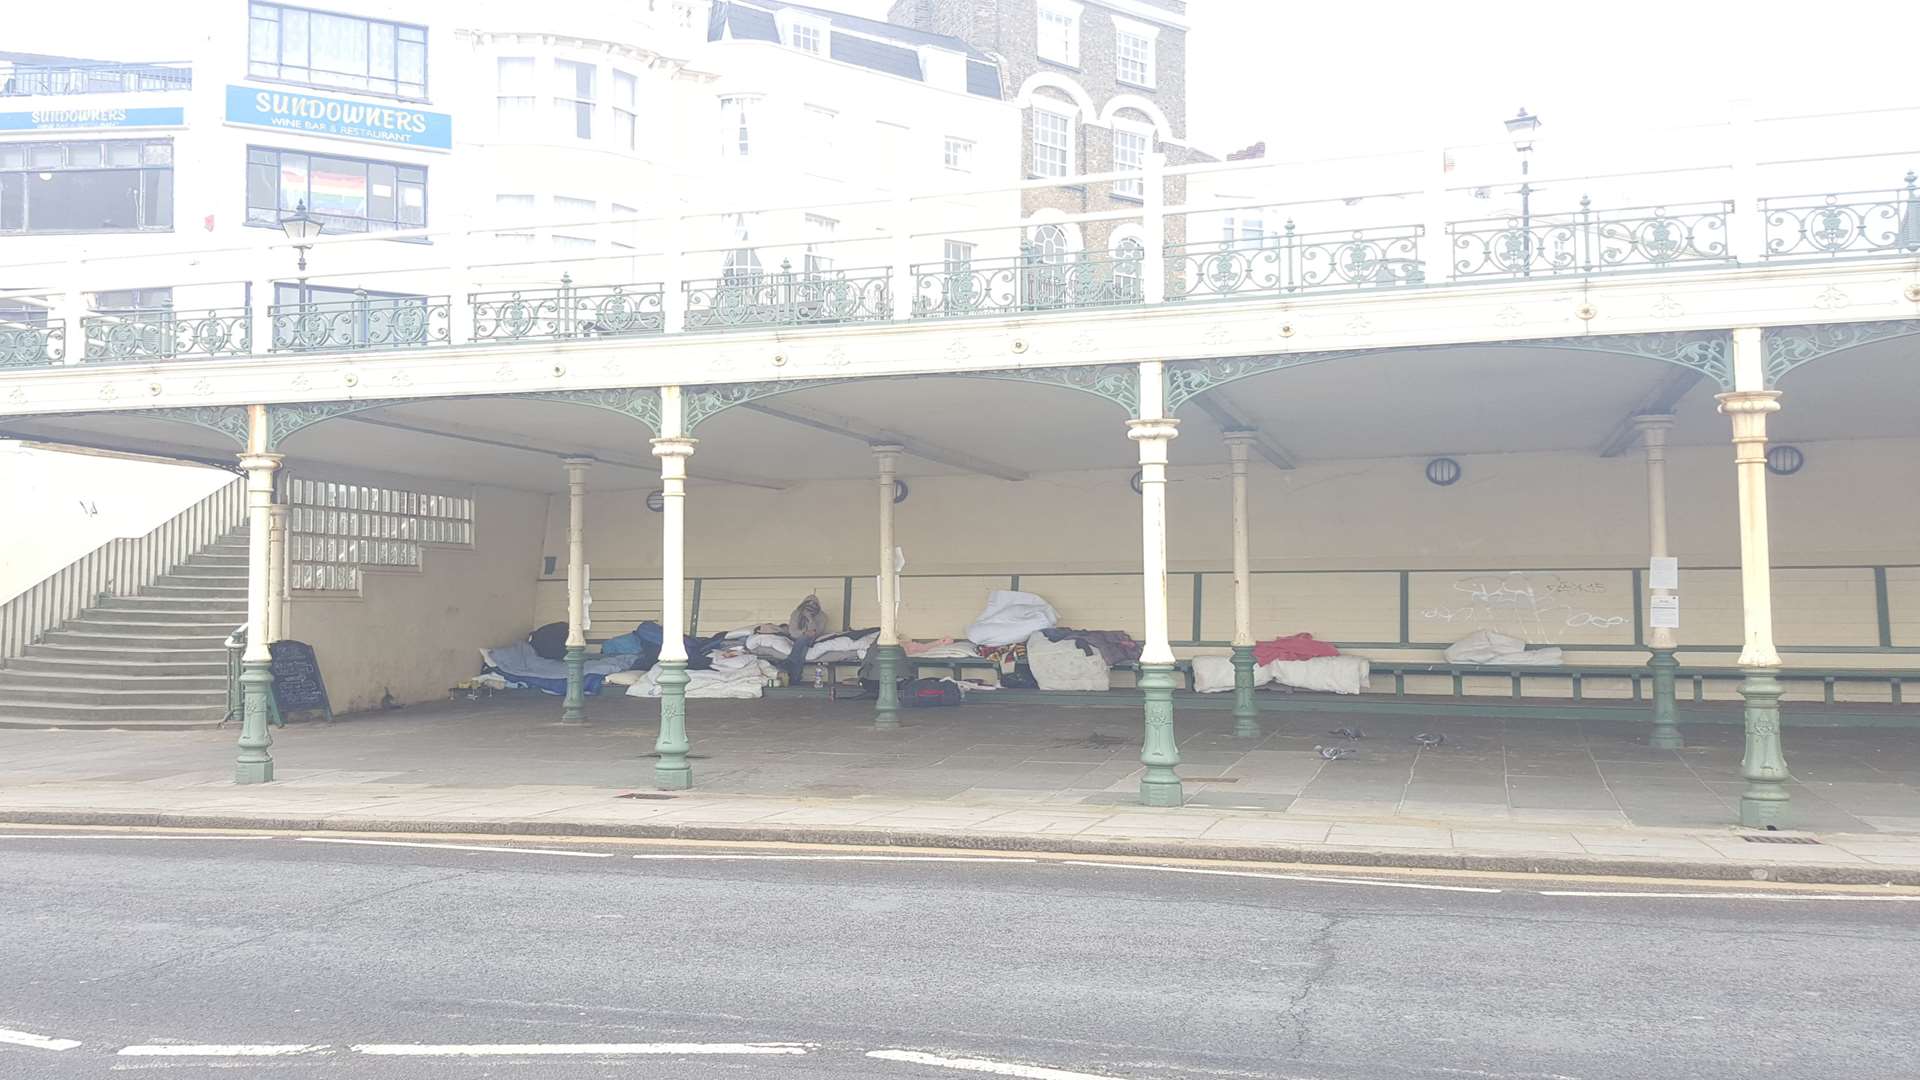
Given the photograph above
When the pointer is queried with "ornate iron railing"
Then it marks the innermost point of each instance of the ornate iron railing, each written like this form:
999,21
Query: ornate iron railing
1590,241
33,344
1845,224
366,322
165,334
789,299
1024,283
568,312
1292,261
27,80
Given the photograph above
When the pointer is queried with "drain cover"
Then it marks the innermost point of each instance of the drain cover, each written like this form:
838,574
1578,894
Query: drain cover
1776,838
643,795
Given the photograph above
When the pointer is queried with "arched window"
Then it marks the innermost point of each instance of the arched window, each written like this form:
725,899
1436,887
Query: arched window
1128,255
1050,244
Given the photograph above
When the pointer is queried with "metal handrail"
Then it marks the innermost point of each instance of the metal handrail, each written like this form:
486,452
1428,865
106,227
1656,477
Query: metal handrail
120,567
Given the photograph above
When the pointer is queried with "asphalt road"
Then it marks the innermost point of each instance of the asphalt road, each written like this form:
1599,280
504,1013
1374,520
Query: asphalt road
504,963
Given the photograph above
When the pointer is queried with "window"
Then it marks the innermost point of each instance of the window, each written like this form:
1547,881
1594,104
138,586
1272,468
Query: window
349,194
626,109
1128,254
1130,152
573,212
317,48
89,185
733,125
821,125
958,257
742,264
1050,244
513,210
1060,33
1250,232
350,318
517,97
1052,143
626,230
1134,58
806,36
573,97
814,261
129,301
959,154
336,529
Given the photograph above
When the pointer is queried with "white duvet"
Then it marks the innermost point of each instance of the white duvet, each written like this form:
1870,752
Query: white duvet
1061,665
1212,674
1492,647
1332,674
740,683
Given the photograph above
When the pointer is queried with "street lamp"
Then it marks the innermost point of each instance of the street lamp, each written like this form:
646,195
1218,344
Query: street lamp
302,229
1520,129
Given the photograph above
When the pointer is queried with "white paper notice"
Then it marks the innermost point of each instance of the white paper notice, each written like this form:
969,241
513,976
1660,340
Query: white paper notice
1663,573
1663,612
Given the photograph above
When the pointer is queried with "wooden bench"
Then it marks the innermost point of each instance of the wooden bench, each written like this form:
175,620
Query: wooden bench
1635,674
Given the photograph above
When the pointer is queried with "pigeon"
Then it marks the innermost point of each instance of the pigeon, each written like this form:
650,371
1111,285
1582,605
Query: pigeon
1347,733
1335,753
1425,739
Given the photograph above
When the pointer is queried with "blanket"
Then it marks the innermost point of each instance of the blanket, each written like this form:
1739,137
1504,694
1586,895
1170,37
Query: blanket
1011,617
1212,674
1333,674
1063,665
1492,647
740,683
842,648
523,668
1295,647
1116,647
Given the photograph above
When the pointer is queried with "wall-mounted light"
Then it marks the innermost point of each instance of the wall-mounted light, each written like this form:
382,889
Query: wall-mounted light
901,491
1137,482
1785,460
656,500
1443,472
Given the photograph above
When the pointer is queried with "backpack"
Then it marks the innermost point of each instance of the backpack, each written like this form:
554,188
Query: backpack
929,693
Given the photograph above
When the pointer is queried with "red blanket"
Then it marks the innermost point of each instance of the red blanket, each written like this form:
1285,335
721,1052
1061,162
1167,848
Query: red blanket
1297,647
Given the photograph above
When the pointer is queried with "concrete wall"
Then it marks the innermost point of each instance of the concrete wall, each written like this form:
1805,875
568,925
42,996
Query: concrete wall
413,633
1539,545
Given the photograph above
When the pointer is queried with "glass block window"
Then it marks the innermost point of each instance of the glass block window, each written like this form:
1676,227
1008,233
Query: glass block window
337,530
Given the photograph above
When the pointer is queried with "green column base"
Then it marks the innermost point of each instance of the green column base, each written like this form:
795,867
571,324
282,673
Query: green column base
254,765
1246,716
671,772
1666,728
1158,751
887,662
574,709
1764,764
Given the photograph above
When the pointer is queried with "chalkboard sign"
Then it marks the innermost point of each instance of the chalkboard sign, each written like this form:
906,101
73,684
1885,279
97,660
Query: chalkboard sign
297,685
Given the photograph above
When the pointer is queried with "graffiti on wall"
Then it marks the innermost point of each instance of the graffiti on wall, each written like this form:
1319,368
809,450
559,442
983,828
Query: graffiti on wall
1538,607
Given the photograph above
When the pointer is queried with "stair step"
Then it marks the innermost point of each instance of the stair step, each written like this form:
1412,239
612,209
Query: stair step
93,718
220,574
216,639
171,586
109,678
35,696
130,653
81,710
187,625
230,616
66,665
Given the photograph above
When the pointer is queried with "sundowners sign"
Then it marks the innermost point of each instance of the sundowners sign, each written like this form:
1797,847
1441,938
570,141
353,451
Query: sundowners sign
66,119
311,114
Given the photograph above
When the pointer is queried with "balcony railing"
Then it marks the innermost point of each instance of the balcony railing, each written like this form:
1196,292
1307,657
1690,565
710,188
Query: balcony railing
49,80
1591,241
815,298
365,322
1292,262
1846,224
33,344
1024,283
165,334
569,311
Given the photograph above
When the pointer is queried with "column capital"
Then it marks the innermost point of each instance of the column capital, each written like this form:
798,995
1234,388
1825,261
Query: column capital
1160,428
887,450
581,462
1749,401
1652,422
261,462
674,446
1239,438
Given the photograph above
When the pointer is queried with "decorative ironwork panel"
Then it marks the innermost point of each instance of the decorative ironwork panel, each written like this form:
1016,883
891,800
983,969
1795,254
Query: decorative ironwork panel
1788,347
785,298
1292,262
32,345
363,323
228,420
1029,282
1846,224
701,403
1590,241
285,420
1188,379
165,334
1118,383
637,403
569,311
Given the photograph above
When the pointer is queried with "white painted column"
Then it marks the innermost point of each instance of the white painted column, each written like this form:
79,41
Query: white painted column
671,772
1153,431
574,711
1246,716
254,764
1764,764
277,573
1660,639
888,656
1153,220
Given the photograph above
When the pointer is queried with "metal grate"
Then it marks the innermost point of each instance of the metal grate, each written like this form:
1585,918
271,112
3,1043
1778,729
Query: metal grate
1776,838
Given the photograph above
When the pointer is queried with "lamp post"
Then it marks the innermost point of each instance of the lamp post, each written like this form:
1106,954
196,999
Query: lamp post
302,230
1520,129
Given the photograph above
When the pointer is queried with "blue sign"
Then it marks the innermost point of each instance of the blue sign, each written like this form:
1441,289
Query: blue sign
111,117
311,114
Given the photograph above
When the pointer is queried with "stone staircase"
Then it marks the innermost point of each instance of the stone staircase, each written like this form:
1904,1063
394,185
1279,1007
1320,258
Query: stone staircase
157,660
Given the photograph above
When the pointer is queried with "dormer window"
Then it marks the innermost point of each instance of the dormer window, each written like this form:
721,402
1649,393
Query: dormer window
1060,32
806,34
1133,49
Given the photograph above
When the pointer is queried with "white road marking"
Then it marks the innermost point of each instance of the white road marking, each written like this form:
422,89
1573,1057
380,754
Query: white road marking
842,858
459,847
240,1050
984,1065
1289,877
551,1049
1730,894
38,1042
121,836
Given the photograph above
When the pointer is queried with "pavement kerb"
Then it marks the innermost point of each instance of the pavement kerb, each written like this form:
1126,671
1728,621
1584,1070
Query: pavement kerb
961,839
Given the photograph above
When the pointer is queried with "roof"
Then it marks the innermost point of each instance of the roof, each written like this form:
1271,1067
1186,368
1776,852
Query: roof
868,43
